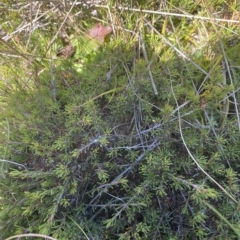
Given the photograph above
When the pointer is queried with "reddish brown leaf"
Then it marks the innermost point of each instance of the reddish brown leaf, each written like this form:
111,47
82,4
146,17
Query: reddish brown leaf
99,32
66,52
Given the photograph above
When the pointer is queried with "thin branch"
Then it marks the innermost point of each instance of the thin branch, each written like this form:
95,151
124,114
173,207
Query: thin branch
173,14
115,181
178,51
192,157
31,235
65,19
18,164
146,59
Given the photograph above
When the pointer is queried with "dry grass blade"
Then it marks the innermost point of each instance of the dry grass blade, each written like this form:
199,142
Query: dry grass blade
19,236
193,158
63,22
147,61
174,14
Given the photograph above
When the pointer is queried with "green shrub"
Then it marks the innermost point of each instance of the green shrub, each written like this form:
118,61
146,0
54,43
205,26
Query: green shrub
93,151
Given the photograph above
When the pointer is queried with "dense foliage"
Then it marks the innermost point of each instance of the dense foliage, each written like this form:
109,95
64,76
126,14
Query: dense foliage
135,139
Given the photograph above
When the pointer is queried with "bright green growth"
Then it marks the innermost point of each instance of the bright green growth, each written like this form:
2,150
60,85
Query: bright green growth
91,152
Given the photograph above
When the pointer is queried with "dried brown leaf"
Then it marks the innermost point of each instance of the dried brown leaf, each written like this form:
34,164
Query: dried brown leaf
99,32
